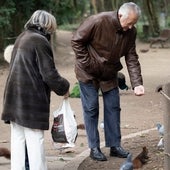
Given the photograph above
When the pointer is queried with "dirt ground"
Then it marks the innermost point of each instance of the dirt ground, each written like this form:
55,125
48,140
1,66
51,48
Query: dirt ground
138,113
134,145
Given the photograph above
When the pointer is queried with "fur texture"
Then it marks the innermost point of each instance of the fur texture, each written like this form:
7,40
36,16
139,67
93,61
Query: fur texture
141,158
81,126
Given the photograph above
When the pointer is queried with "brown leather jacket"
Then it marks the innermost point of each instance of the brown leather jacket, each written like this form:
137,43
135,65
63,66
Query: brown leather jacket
99,43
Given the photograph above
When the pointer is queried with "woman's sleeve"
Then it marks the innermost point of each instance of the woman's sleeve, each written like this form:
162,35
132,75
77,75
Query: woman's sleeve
47,69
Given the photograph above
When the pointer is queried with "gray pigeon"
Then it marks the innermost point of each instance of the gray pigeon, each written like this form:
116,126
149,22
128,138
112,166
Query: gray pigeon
160,129
128,164
160,144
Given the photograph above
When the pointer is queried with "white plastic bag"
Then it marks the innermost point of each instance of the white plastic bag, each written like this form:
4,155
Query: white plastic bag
68,126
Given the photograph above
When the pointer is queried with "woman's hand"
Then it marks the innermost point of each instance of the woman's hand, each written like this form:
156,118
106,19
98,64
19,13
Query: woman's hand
67,95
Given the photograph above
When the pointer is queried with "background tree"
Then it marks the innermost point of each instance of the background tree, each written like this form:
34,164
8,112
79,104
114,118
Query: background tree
14,14
6,10
150,10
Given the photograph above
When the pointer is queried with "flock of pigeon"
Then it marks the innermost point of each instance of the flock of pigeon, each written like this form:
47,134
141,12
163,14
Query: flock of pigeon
142,157
160,129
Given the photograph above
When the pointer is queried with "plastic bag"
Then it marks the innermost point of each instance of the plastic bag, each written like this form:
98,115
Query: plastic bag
57,131
64,128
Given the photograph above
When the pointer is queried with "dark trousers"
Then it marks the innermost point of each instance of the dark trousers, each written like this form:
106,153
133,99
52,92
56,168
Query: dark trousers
90,103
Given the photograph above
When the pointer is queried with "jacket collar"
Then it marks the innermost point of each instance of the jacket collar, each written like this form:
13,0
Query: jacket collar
39,30
116,22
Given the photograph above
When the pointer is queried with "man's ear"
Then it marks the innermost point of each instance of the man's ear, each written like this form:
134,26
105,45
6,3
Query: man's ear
119,16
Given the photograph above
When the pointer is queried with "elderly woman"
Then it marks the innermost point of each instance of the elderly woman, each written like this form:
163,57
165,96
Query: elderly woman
32,77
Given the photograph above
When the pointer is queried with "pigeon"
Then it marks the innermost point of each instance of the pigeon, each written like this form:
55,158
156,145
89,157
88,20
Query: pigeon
160,129
160,144
127,165
102,124
122,81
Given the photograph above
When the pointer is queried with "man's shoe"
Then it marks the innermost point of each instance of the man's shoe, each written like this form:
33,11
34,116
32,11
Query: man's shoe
118,152
96,154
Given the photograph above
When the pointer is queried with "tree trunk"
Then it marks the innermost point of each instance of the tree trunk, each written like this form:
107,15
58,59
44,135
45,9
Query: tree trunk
149,9
97,5
94,7
108,5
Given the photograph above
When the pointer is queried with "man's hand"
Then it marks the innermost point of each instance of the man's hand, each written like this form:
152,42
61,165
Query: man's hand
139,90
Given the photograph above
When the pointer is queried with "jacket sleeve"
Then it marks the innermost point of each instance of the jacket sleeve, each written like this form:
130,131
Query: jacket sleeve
47,69
81,39
132,62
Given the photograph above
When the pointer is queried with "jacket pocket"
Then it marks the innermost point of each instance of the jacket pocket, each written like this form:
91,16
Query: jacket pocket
110,70
95,65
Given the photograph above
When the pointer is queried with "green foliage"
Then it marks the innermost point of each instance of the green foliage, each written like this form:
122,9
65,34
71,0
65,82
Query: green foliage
75,92
6,12
68,13
13,16
7,9
5,16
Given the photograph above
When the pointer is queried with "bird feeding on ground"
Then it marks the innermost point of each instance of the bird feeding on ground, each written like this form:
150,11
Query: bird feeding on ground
160,144
160,129
128,164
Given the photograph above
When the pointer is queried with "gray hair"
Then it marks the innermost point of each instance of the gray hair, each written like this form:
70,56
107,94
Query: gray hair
44,20
127,7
